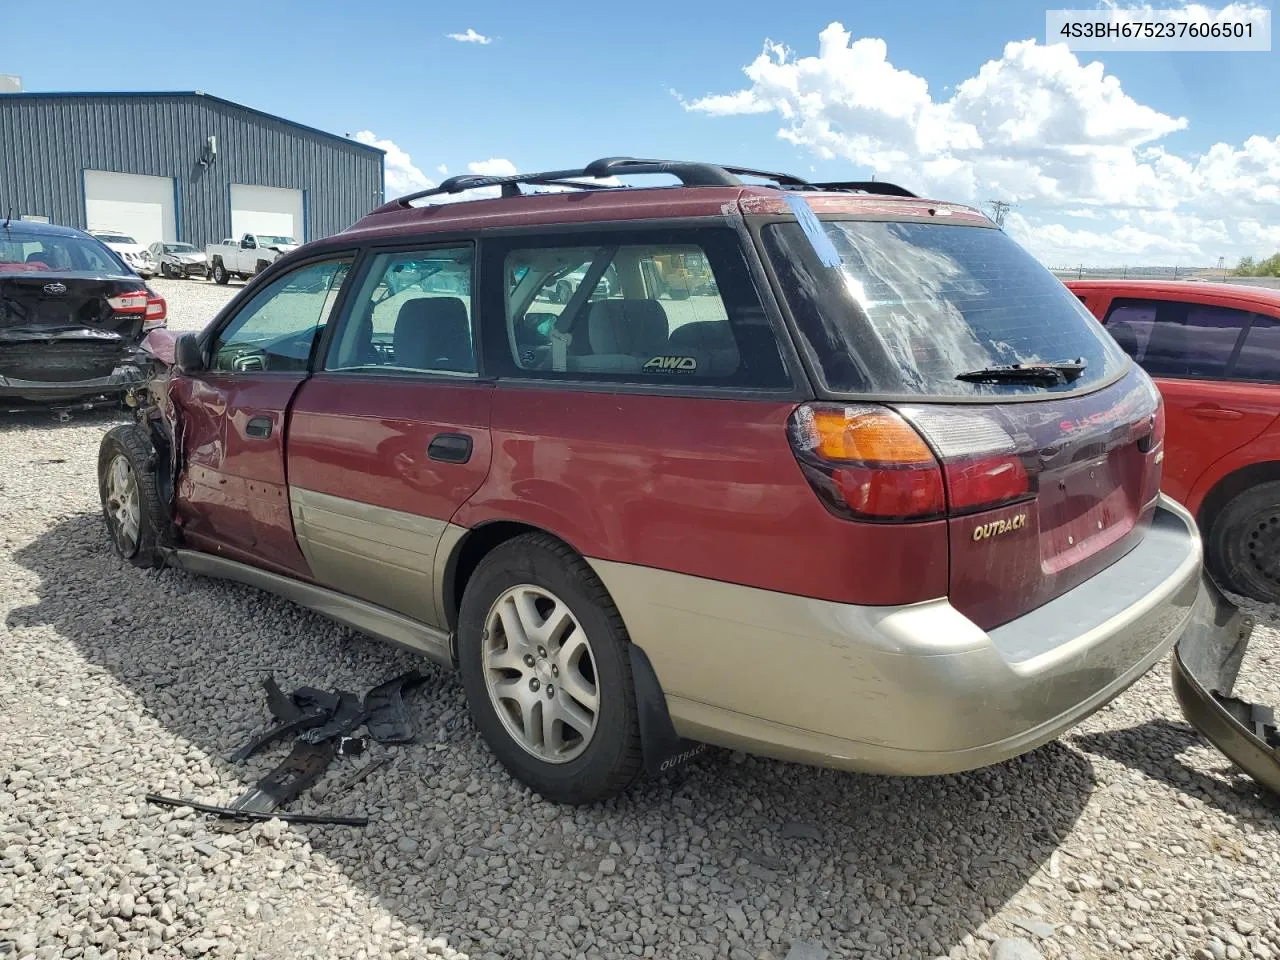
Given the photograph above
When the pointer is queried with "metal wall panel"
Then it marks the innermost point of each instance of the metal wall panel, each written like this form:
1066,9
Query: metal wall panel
47,141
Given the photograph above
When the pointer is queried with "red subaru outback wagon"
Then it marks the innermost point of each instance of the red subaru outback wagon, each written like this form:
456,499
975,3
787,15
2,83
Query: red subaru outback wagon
827,472
1214,350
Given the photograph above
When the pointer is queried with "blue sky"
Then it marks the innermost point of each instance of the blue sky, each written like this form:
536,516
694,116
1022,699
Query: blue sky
1112,165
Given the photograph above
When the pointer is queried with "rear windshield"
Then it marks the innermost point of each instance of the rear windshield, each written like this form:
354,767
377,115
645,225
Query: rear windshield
903,308
42,252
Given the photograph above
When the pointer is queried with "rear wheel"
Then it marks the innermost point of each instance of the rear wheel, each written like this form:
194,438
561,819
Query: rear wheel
220,274
131,503
1243,546
544,661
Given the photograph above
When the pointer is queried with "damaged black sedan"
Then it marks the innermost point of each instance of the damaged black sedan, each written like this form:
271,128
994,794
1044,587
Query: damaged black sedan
72,316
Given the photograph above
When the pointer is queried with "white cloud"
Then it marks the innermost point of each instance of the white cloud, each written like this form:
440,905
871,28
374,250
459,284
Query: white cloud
443,170
470,37
1036,126
401,176
493,167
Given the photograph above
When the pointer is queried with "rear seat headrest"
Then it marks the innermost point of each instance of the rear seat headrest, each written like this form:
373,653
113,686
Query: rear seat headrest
636,327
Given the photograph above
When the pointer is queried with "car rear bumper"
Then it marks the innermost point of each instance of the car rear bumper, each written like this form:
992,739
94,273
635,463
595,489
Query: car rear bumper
915,689
124,376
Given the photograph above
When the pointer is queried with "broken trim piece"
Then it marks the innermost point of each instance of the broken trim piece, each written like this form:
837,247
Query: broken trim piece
232,813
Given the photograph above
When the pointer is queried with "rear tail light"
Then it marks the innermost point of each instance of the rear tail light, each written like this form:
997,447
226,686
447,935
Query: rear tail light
134,301
868,462
157,311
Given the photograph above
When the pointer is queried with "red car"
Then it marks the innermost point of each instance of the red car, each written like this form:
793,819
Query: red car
857,483
1214,351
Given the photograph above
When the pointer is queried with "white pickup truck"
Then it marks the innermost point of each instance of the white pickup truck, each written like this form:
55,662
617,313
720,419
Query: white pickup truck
244,257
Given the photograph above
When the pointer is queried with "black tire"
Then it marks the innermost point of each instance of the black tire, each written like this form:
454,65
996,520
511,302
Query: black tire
262,265
1242,548
612,757
130,443
564,292
220,274
164,270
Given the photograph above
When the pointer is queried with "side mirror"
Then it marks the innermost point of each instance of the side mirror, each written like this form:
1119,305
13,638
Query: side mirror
188,355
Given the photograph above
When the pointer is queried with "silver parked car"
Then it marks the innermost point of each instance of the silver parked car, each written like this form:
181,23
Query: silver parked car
179,260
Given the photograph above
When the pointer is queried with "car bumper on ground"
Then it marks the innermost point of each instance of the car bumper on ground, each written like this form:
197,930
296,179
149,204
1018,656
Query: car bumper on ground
1206,665
17,394
911,690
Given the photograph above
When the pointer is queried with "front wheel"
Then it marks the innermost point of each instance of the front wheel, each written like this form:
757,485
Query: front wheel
220,274
1242,549
547,673
131,503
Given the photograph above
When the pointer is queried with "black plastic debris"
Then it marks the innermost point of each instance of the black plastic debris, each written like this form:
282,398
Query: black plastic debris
385,713
323,724
232,813
289,716
345,718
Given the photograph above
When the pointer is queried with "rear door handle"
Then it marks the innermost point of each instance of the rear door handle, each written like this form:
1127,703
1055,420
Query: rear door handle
450,448
1208,411
258,427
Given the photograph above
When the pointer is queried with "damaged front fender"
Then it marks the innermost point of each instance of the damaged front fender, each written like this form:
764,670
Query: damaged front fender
1206,665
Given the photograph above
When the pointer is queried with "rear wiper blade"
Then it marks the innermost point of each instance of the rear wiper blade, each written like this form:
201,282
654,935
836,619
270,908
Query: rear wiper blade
1051,374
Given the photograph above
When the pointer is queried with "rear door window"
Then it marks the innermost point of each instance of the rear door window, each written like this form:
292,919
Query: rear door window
1259,357
661,307
905,307
1177,340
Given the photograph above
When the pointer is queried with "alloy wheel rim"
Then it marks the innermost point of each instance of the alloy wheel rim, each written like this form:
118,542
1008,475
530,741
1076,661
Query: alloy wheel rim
540,672
123,505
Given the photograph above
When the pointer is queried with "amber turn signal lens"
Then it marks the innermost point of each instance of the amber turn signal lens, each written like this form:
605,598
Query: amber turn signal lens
875,436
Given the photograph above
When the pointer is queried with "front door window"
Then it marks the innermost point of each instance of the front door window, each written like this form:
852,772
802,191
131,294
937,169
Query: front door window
277,328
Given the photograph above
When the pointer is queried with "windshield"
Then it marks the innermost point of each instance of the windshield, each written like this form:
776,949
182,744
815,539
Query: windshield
270,241
22,252
114,238
179,248
904,308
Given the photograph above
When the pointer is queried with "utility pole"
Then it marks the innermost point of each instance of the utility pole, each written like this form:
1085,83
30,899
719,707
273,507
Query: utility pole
999,208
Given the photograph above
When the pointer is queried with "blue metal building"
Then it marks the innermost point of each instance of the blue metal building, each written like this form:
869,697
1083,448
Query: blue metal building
178,166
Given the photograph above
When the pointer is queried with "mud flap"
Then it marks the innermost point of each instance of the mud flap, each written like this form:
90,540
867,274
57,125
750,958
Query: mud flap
1206,664
664,749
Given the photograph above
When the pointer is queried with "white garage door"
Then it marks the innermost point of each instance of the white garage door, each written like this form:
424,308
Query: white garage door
266,210
139,206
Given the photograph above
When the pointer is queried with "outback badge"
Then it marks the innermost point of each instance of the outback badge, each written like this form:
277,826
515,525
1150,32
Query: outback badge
997,528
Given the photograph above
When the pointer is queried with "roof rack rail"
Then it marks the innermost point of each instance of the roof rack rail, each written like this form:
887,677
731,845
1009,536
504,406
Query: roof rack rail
882,187
689,173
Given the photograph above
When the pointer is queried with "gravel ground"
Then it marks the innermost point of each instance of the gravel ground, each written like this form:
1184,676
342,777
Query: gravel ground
1130,837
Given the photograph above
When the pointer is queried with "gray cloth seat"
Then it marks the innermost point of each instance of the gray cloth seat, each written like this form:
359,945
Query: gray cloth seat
621,336
710,343
434,333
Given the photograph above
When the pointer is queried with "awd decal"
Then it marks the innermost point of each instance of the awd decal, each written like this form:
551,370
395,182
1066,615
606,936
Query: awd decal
998,528
672,365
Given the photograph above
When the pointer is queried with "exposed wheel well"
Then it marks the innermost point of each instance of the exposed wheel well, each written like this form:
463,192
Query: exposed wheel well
473,548
1231,486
